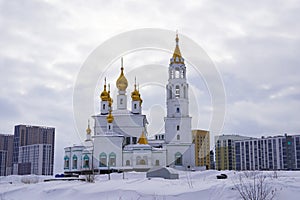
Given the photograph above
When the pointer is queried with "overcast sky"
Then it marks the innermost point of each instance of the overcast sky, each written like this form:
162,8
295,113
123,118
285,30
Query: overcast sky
254,44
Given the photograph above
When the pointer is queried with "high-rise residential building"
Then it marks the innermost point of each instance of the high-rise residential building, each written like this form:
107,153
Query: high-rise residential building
33,150
212,159
6,146
269,153
202,148
225,153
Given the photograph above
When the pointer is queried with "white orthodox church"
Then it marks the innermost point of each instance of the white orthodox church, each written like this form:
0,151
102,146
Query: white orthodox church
120,135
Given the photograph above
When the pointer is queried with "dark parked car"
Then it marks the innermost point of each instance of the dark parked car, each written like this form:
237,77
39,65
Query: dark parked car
222,176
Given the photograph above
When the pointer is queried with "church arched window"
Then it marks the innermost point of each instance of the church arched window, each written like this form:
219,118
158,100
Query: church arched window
74,164
103,160
181,74
66,164
178,158
171,74
157,162
86,161
127,162
177,74
177,91
145,159
112,159
103,106
138,159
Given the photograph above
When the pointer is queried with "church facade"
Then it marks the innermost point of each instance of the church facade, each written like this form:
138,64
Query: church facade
120,134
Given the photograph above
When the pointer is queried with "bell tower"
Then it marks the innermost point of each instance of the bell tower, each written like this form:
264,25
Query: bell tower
178,121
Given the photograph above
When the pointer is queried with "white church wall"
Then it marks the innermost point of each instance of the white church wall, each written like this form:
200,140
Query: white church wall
159,158
185,150
109,145
184,132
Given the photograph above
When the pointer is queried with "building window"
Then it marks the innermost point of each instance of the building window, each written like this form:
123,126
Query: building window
103,160
121,101
145,159
66,162
142,162
134,106
177,127
138,159
103,106
127,140
112,159
74,164
178,137
177,73
178,159
177,110
109,127
177,91
134,140
127,162
86,161
157,162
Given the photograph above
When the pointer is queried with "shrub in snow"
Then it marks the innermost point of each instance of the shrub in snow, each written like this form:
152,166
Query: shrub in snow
255,186
90,178
30,179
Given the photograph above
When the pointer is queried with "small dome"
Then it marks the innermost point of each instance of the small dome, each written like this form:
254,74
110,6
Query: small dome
122,82
135,95
143,139
88,130
110,117
104,95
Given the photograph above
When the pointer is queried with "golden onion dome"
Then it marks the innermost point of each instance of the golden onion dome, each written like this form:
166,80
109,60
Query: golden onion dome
122,82
135,95
88,130
110,117
104,95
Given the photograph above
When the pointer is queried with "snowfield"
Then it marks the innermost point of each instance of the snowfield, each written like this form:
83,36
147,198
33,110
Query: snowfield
190,185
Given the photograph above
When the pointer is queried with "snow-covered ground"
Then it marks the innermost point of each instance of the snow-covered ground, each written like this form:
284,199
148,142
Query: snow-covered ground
190,185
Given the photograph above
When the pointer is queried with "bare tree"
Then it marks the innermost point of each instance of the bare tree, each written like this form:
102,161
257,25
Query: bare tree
255,186
90,178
